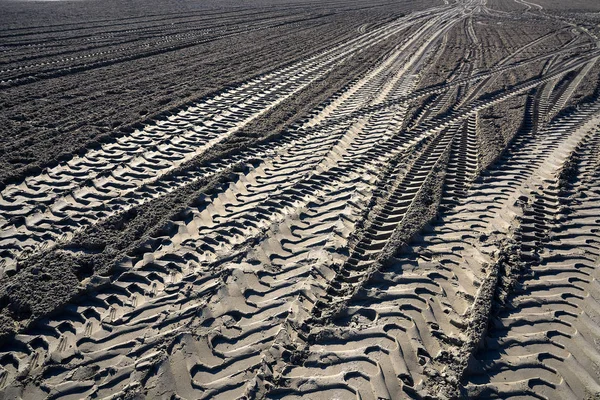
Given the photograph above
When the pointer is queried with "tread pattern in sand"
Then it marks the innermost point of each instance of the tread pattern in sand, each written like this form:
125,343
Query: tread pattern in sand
388,245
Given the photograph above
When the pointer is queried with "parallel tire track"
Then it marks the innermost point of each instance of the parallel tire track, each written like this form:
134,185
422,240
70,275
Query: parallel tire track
543,341
367,252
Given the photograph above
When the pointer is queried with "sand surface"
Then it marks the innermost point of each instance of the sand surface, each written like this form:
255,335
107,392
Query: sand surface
431,229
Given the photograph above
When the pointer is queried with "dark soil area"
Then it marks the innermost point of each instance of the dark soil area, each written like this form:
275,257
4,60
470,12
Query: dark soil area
89,81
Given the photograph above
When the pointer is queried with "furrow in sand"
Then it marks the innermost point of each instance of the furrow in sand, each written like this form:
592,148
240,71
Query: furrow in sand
104,55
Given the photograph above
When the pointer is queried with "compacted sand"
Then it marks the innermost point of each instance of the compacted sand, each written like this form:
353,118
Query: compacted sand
409,208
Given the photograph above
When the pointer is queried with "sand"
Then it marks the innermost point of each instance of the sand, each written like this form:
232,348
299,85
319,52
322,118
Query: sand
429,231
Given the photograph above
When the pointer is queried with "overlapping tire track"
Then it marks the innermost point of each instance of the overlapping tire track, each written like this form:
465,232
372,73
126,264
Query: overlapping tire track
49,207
259,199
408,321
543,341
296,278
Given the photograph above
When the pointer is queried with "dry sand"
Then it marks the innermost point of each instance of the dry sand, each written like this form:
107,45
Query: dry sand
430,230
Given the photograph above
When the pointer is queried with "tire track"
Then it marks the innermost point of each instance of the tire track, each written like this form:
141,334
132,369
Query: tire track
50,207
542,342
568,91
253,202
404,323
27,42
320,269
463,163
